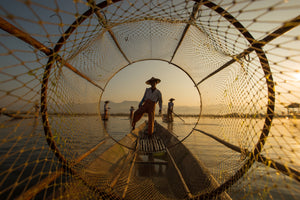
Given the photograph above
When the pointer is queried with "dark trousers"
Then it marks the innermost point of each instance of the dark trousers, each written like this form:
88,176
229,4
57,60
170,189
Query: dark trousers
147,107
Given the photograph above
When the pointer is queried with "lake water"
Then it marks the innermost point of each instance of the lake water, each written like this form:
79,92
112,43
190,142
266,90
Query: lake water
25,157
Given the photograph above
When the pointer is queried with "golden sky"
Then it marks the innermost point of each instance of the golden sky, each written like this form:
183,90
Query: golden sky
129,83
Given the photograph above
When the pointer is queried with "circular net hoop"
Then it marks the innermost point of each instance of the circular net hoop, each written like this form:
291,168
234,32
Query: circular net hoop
57,58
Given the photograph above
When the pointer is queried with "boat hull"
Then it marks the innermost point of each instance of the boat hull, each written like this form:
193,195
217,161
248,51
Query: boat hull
127,172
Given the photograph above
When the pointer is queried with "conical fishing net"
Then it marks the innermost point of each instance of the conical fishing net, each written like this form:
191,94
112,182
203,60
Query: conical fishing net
58,58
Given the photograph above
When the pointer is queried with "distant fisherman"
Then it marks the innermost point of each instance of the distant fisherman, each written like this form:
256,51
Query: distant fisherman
36,109
147,105
170,110
105,116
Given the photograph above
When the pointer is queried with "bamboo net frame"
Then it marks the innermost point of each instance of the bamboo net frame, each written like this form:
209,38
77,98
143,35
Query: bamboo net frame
237,46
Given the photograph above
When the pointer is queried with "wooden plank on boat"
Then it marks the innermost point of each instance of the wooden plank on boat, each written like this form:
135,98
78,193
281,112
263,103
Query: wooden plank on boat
151,143
161,145
155,145
152,162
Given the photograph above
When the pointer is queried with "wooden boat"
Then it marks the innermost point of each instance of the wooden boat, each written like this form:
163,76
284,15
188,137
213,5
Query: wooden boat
19,116
166,119
143,167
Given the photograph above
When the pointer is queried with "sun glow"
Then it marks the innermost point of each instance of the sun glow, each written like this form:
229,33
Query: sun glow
297,76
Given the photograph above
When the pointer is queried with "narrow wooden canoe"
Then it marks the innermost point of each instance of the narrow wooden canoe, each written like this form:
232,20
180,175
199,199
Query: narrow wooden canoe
19,116
143,167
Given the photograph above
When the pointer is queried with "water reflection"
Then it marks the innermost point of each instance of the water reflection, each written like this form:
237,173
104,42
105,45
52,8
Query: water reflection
105,126
170,126
151,165
82,133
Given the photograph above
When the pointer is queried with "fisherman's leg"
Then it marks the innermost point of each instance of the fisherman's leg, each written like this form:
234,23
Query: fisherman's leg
105,115
151,115
169,115
151,122
138,114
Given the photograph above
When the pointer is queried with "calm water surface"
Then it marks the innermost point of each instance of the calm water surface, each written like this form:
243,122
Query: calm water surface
23,144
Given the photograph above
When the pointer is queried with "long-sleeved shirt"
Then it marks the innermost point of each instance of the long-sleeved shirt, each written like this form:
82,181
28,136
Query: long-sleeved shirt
153,96
106,107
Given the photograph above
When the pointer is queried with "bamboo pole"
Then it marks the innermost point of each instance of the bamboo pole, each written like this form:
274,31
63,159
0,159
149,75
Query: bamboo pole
129,176
196,7
116,178
257,45
104,23
25,37
186,188
34,190
8,27
293,173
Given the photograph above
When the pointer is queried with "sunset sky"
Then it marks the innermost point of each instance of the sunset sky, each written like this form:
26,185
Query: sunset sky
129,83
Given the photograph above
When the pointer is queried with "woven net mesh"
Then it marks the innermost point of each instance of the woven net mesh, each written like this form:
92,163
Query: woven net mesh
243,57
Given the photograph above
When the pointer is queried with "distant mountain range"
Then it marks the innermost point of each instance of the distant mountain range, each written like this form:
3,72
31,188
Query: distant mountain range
123,107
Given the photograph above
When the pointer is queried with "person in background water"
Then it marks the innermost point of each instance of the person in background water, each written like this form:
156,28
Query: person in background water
170,110
36,109
105,116
131,113
147,105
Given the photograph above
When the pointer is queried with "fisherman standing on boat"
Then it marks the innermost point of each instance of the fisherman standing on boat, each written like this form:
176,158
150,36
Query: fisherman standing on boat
170,110
131,113
147,105
105,116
